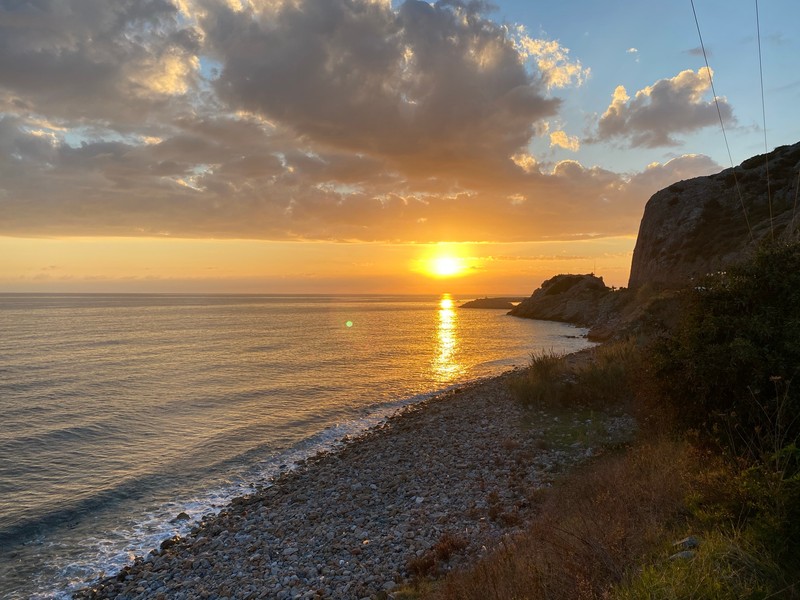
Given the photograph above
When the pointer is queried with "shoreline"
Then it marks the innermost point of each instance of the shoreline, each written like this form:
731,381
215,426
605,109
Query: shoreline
354,521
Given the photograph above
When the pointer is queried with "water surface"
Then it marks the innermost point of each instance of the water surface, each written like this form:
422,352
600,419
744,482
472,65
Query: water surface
120,411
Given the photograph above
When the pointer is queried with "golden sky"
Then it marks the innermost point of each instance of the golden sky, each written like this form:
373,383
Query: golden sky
337,146
91,264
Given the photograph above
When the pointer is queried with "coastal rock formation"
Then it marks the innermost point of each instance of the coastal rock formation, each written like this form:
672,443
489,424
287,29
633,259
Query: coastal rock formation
578,299
503,303
698,226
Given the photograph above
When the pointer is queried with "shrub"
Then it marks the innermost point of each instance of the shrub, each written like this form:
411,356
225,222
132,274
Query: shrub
728,370
739,338
601,380
542,383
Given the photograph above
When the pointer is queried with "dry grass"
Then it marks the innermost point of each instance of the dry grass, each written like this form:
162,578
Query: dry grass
429,563
591,528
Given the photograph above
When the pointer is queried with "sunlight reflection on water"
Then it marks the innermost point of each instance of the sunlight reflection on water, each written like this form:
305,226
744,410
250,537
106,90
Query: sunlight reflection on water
445,366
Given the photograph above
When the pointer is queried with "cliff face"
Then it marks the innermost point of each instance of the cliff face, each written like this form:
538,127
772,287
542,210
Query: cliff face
697,226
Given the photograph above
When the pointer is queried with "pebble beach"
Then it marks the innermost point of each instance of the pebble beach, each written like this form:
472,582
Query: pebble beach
429,490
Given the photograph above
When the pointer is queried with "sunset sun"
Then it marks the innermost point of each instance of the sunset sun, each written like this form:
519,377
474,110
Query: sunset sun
447,266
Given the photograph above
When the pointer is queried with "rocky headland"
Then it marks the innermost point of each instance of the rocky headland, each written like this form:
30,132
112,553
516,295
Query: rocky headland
493,303
578,299
692,228
584,300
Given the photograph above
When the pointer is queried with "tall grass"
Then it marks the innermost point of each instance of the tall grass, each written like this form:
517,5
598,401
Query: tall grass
543,382
602,379
726,566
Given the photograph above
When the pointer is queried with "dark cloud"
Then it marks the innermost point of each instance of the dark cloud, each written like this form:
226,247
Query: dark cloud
89,60
655,114
424,87
698,51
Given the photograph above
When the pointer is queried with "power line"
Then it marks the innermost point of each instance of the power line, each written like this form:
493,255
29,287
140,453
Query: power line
796,194
764,119
721,123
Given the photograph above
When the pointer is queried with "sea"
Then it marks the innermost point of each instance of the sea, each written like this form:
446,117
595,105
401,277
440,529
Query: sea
118,412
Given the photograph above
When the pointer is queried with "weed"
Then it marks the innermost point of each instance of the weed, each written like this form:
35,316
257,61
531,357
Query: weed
602,380
541,383
726,566
428,564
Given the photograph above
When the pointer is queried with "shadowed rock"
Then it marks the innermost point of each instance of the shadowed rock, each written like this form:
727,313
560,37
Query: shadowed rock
699,226
503,303
570,298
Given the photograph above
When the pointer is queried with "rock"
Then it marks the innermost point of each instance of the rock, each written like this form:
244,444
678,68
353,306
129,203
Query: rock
583,300
698,226
169,543
181,516
687,543
497,303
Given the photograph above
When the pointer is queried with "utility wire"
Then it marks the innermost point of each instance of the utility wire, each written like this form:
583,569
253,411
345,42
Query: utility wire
721,123
796,194
764,119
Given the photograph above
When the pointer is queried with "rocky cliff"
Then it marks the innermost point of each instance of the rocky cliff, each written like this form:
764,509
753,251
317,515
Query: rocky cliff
698,226
578,299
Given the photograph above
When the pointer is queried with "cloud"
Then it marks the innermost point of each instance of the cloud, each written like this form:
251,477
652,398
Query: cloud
698,51
632,51
552,60
82,60
294,120
561,139
421,86
196,184
652,117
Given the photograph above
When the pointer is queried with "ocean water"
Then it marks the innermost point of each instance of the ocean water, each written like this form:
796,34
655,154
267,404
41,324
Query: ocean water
121,411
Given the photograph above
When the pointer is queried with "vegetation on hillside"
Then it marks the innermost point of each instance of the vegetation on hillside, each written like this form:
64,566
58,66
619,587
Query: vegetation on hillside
716,464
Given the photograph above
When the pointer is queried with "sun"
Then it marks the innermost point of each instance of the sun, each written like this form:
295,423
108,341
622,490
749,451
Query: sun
446,266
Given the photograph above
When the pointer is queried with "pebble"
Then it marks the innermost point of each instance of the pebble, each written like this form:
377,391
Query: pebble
345,524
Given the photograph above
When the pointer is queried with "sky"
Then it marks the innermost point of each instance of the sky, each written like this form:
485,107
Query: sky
366,146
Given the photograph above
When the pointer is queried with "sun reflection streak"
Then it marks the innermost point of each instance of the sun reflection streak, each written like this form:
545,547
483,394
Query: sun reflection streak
445,366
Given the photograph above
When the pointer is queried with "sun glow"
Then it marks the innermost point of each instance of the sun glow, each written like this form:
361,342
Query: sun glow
447,266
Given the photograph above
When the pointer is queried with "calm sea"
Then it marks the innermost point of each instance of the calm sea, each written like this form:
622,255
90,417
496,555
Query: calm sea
120,411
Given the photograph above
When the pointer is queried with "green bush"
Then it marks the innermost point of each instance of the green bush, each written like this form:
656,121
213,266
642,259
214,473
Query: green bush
728,369
729,365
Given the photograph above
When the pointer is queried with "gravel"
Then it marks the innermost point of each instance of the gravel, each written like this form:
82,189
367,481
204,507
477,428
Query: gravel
429,490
